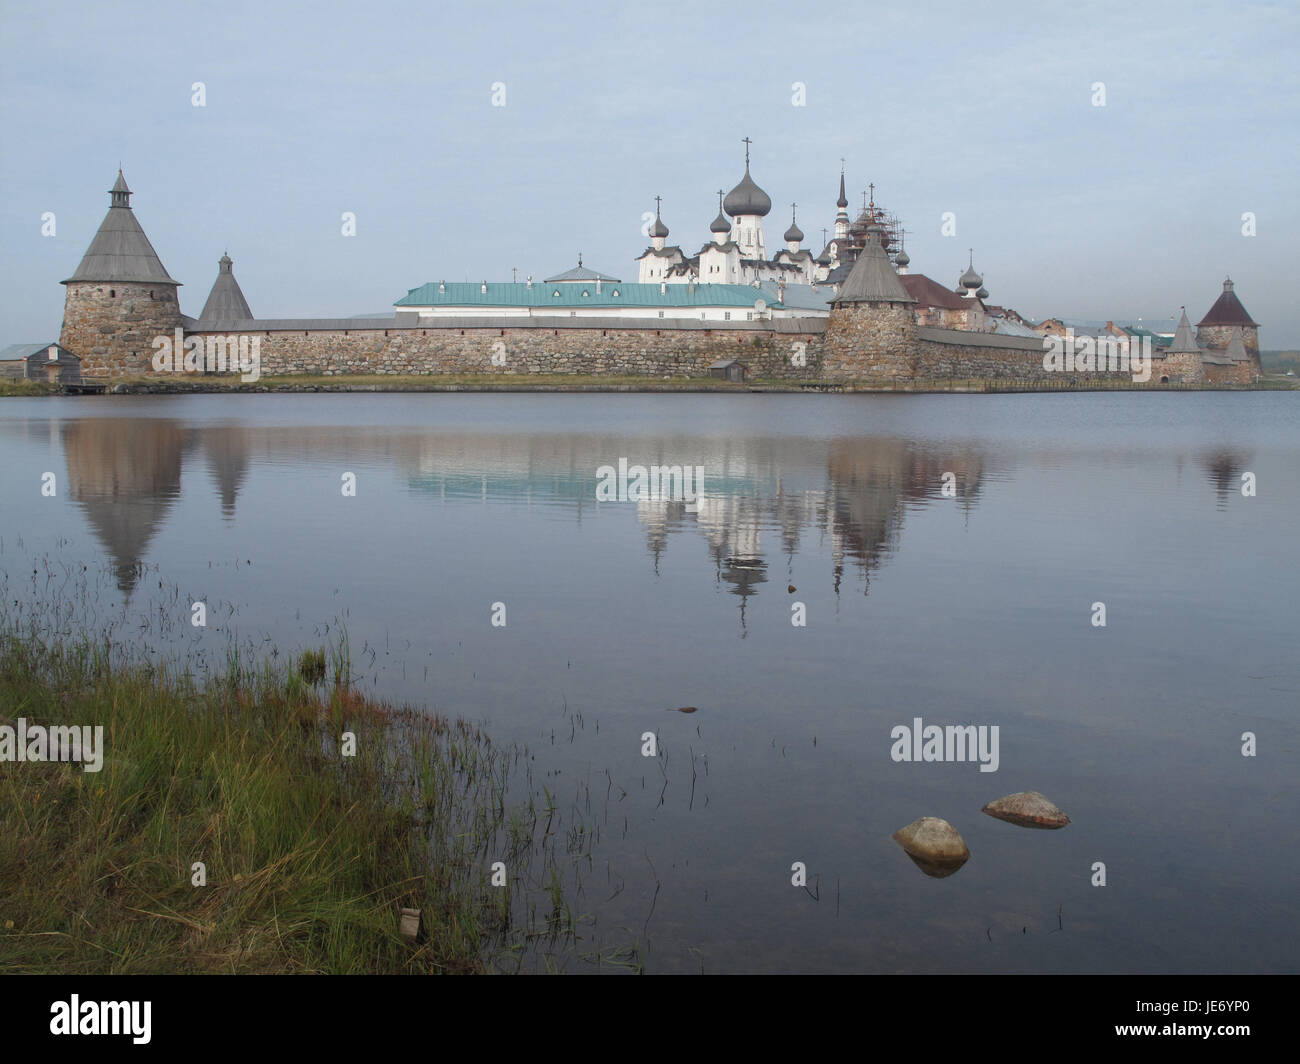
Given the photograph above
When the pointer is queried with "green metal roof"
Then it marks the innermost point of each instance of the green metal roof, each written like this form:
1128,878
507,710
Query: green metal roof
571,295
1157,340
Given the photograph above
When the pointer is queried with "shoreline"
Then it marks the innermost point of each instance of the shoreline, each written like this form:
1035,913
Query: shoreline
596,385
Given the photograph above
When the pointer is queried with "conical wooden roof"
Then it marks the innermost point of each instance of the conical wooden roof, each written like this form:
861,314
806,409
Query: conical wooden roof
120,250
872,279
226,301
1184,341
1227,309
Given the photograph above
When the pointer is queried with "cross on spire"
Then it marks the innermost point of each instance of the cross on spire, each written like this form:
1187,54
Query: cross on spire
841,166
579,258
657,203
872,186
748,142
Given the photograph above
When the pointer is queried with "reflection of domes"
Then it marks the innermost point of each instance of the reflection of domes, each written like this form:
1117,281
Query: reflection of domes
747,198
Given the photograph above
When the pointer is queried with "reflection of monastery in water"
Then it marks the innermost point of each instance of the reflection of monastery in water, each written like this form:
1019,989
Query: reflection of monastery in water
763,497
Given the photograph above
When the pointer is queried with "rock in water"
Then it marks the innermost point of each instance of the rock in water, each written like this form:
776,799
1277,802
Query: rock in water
933,845
1029,809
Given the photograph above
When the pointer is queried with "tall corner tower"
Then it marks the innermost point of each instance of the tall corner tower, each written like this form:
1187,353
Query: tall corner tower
120,298
1226,316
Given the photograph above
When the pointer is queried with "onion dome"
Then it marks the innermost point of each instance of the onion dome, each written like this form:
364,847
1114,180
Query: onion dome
747,197
658,229
843,202
983,293
720,223
902,259
970,279
793,235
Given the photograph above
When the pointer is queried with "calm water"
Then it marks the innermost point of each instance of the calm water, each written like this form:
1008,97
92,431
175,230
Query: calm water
972,609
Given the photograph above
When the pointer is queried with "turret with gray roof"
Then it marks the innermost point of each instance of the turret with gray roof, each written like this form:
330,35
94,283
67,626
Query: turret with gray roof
226,301
872,279
120,250
1184,341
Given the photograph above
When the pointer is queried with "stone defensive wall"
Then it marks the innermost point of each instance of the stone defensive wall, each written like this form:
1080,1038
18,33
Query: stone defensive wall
957,354
784,348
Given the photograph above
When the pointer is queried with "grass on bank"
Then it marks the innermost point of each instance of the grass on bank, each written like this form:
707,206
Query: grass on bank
309,854
24,387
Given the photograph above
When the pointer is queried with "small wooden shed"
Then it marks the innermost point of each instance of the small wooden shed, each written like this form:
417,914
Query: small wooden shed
55,363
729,369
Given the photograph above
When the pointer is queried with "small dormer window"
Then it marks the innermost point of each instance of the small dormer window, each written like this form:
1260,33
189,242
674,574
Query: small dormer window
556,293
615,293
585,294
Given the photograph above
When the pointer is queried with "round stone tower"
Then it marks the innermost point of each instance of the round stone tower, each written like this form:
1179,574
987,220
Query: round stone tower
120,298
1226,317
871,331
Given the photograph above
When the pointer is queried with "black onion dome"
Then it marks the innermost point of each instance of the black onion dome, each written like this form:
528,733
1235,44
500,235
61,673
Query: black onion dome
794,234
720,224
747,198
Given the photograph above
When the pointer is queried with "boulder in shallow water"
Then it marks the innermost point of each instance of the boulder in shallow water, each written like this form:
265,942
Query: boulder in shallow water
933,845
1029,809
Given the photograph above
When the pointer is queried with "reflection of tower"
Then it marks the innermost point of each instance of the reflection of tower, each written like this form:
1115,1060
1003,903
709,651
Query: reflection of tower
872,481
1224,470
226,449
124,475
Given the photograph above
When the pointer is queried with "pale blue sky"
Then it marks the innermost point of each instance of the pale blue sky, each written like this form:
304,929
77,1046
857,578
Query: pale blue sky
385,110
